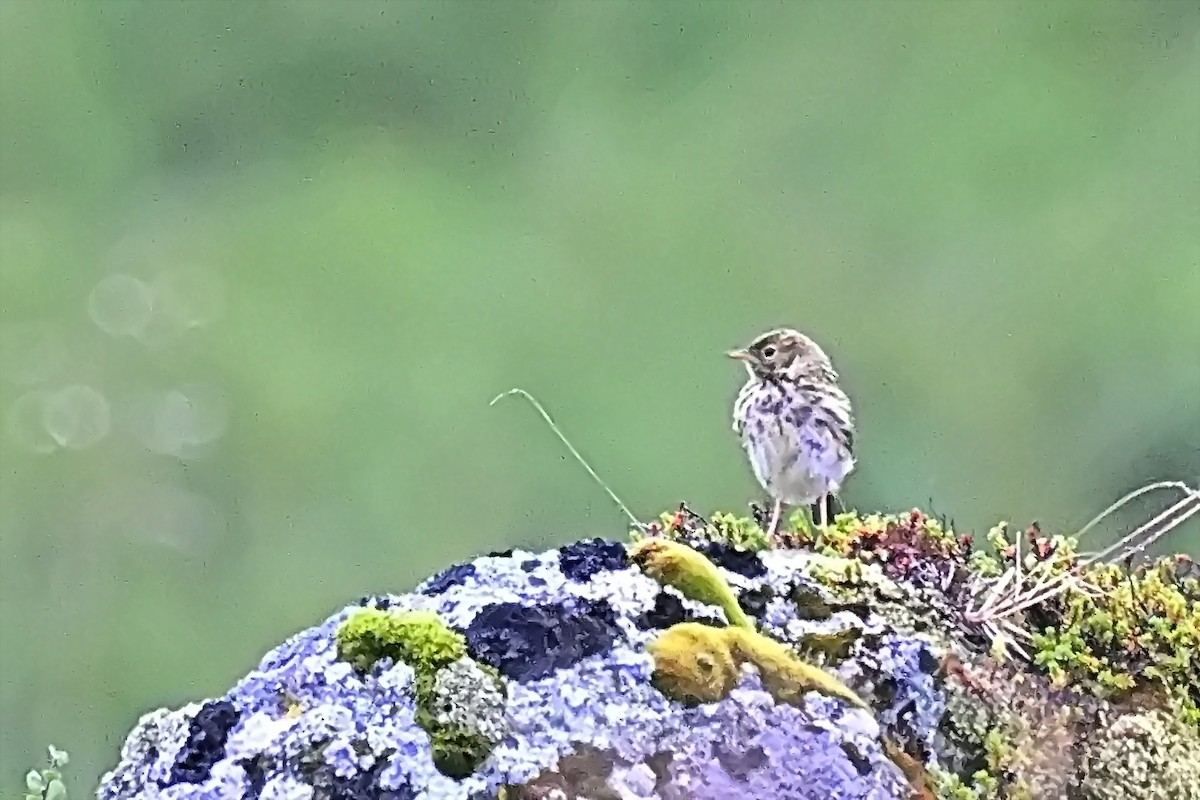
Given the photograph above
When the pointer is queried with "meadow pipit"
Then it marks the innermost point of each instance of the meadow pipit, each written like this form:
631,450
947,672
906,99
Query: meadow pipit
794,420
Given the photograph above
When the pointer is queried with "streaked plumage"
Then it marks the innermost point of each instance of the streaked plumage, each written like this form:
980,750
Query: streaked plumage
795,422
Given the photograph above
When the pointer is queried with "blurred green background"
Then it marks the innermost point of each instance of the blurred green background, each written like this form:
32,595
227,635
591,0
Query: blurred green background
264,265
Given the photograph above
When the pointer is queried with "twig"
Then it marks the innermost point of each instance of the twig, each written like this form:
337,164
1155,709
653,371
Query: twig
545,415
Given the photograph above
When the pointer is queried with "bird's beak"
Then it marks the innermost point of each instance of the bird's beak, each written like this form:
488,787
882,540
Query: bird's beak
741,355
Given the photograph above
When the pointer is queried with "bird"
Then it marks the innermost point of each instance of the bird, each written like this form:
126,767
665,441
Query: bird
795,422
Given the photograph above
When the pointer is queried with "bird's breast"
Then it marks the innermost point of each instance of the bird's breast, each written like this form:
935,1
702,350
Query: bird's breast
797,439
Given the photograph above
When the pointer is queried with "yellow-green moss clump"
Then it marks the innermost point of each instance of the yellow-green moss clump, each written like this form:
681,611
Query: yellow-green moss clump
694,662
417,638
675,564
459,701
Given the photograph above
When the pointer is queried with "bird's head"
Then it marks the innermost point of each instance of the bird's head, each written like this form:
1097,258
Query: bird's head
784,353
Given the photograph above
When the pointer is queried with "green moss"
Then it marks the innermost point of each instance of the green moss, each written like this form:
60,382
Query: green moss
1002,758
456,752
1147,755
1011,722
675,564
837,572
418,638
810,604
438,657
980,786
900,541
832,648
738,531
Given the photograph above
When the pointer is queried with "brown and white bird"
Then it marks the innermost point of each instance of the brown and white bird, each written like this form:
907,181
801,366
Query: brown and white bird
795,422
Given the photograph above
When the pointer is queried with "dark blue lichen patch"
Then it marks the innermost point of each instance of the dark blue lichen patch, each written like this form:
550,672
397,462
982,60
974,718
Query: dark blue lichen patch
582,560
735,559
740,761
861,763
256,777
362,786
754,601
452,576
669,610
205,744
525,643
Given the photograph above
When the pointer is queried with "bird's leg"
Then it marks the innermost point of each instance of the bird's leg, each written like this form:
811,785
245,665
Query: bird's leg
776,515
824,501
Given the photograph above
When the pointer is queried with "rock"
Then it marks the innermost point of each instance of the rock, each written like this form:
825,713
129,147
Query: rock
842,670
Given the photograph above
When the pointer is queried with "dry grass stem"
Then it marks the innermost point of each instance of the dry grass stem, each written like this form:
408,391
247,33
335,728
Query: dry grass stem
545,415
1003,598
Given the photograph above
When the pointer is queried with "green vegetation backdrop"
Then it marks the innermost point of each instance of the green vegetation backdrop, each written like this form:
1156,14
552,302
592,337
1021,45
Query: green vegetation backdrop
264,265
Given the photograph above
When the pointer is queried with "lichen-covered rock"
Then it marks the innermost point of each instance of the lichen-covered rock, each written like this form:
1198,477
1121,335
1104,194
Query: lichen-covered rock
695,664
1142,756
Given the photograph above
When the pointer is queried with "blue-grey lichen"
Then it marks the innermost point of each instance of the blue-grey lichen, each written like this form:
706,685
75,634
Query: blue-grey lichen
702,664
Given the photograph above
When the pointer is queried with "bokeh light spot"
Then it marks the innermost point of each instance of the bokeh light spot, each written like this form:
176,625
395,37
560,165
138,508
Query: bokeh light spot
180,420
121,305
77,416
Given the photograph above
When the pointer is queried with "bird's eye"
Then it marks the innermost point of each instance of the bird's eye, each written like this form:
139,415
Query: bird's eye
769,351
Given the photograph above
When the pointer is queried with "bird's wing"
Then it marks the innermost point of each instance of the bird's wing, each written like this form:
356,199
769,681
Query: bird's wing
741,408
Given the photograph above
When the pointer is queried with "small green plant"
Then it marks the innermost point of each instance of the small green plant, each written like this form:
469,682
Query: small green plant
1141,628
47,783
723,528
